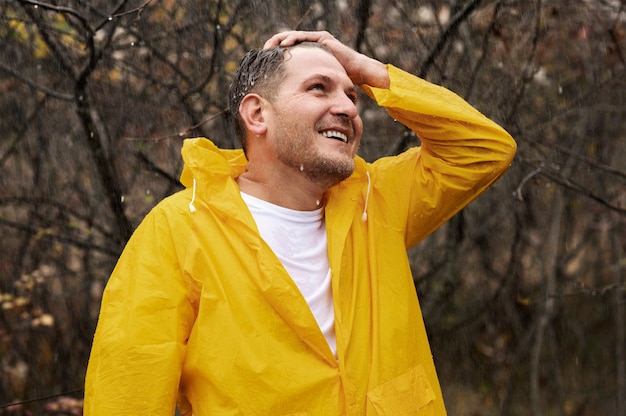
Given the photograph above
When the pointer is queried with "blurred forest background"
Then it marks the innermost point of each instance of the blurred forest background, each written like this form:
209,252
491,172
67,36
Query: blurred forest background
523,292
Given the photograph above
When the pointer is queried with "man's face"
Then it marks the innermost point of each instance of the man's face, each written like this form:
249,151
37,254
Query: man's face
314,124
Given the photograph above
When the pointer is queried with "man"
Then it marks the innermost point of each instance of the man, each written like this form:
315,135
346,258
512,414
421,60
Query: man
278,283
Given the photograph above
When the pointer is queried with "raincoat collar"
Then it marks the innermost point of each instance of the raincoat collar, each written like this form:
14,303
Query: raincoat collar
213,168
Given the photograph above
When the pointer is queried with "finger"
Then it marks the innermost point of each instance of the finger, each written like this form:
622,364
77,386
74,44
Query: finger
293,37
284,39
275,40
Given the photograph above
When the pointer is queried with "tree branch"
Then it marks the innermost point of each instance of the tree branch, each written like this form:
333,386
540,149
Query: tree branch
45,234
468,8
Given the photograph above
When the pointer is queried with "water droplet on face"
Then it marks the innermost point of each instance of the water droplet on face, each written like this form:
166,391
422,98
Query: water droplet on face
301,168
317,202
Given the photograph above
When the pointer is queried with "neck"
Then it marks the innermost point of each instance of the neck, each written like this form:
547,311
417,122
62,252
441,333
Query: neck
294,193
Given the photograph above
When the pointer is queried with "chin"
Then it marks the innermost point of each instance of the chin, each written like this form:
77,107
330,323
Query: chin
330,173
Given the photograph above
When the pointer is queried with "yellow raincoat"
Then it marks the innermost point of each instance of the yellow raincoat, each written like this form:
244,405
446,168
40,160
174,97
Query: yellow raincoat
199,310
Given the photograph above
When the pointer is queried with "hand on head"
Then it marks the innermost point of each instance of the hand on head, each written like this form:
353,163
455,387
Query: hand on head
360,68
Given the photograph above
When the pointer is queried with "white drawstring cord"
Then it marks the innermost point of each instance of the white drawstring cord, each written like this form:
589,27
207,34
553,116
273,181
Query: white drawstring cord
367,197
192,208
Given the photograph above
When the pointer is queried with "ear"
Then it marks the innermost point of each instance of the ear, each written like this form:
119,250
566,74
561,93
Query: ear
251,111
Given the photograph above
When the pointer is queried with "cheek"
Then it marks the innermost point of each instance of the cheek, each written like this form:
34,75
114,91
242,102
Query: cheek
357,125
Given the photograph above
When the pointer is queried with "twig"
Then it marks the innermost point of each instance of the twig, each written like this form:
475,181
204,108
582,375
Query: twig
184,133
55,237
139,10
518,190
468,8
38,399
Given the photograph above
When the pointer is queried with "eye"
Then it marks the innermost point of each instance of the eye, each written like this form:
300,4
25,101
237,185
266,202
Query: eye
353,96
317,87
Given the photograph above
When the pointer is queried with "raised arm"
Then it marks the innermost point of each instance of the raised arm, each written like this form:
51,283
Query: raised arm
462,151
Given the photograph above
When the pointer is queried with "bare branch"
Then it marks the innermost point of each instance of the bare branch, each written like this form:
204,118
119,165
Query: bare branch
459,18
45,234
49,92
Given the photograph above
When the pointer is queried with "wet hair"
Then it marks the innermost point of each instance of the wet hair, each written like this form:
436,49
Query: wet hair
260,71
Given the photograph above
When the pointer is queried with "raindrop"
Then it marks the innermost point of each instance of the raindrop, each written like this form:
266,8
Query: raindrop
110,18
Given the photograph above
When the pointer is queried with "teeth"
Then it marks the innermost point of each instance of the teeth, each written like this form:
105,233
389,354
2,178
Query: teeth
333,134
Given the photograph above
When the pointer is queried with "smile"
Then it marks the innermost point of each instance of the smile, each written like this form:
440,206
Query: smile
334,134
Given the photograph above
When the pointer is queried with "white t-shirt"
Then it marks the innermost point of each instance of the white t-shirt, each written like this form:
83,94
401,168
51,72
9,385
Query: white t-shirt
298,238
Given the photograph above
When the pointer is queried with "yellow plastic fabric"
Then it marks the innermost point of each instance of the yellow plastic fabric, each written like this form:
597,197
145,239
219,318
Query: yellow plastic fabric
200,311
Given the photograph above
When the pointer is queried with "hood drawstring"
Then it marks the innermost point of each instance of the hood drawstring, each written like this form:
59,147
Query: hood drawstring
367,196
192,207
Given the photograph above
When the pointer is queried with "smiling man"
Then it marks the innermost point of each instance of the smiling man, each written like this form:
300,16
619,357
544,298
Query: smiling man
278,282
302,137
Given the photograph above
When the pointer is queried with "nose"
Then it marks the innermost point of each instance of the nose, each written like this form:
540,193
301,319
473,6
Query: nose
344,106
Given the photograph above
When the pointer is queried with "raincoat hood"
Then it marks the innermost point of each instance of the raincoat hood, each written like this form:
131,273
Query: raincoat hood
205,162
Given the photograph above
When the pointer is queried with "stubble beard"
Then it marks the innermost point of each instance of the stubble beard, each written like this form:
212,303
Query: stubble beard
297,150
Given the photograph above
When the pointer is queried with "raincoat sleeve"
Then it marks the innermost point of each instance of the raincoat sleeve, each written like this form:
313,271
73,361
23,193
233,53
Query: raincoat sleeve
462,153
145,319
